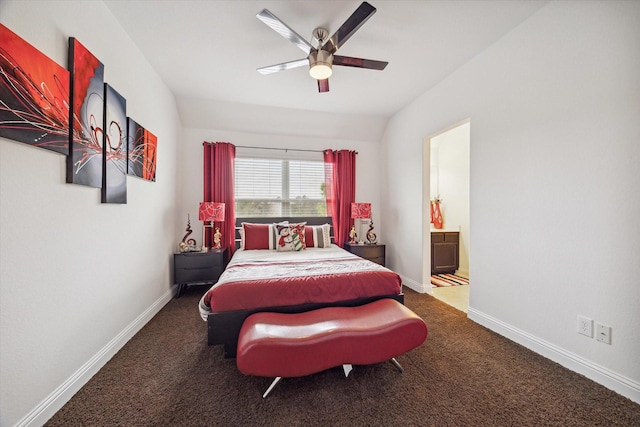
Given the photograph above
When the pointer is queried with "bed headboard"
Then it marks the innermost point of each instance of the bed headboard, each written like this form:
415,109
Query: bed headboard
310,220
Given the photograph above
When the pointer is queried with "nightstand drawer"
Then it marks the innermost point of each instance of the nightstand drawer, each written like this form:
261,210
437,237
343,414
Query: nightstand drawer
186,275
197,260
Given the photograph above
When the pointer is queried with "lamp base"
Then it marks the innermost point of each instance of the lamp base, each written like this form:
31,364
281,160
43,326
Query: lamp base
361,234
204,245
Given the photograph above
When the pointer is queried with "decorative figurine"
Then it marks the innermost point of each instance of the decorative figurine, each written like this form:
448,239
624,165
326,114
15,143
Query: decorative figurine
190,244
216,238
371,237
353,235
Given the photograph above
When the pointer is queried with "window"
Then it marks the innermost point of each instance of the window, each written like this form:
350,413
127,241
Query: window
279,187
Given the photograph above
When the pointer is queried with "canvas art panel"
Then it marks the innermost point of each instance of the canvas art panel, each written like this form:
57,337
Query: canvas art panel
114,147
84,164
142,151
34,95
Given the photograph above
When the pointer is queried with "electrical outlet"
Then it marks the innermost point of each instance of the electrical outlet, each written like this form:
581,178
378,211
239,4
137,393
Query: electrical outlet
585,326
603,333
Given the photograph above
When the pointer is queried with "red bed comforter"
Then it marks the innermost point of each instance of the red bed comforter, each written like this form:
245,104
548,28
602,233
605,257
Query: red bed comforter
266,278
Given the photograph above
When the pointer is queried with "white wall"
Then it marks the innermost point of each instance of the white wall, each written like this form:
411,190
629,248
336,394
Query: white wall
555,183
191,164
77,277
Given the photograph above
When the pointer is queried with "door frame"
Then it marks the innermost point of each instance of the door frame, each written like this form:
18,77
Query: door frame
426,198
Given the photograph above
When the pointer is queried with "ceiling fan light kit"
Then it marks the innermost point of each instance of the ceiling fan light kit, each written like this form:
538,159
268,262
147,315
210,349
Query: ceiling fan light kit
320,63
321,59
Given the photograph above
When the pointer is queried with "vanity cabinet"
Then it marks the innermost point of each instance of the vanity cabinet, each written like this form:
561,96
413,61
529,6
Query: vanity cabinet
445,250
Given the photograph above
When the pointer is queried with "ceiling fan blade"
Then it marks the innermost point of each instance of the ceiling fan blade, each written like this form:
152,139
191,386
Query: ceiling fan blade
349,61
284,66
323,85
283,29
350,26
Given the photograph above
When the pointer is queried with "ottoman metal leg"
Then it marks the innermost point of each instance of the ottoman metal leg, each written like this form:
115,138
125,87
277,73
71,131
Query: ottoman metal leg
347,369
273,384
397,365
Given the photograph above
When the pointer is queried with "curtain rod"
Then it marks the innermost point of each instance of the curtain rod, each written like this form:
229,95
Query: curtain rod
282,149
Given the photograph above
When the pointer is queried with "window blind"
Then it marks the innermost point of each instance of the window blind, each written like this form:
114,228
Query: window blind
267,187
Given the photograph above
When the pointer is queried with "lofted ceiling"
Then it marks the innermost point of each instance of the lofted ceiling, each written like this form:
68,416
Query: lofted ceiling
207,53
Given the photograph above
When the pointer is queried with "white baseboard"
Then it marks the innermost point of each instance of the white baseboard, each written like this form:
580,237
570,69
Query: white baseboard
418,287
57,399
612,380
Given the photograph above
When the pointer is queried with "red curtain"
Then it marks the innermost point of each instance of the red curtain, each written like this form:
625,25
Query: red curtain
340,187
219,160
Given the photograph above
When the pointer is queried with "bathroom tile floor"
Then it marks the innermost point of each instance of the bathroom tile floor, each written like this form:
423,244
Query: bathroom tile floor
456,296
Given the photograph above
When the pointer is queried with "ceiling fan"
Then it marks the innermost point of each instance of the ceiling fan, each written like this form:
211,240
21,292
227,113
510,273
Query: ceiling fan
322,58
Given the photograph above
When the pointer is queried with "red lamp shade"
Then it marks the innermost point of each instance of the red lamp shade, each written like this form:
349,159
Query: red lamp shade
361,210
211,211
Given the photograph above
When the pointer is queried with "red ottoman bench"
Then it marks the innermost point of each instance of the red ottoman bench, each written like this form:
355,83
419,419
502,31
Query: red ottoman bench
294,345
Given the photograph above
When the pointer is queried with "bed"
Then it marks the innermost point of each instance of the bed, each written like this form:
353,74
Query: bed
263,276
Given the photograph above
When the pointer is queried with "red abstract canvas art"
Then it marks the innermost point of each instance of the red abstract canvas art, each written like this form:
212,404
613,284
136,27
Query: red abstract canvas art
84,164
74,113
114,188
142,151
34,95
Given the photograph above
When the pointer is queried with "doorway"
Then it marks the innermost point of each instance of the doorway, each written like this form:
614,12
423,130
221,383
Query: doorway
448,167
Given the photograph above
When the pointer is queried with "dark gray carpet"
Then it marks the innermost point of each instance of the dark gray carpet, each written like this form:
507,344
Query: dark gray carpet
463,375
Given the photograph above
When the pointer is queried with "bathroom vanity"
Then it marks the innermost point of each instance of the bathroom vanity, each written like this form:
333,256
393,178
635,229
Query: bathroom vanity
445,251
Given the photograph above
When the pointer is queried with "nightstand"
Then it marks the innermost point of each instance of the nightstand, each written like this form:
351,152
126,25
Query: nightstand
374,252
198,267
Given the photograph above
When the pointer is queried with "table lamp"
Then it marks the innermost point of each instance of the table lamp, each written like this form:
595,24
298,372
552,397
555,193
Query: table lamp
360,211
211,212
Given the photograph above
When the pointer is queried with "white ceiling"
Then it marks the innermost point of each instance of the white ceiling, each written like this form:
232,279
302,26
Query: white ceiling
207,53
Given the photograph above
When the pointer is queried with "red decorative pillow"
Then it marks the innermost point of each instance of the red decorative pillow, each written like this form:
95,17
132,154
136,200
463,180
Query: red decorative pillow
257,236
308,236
